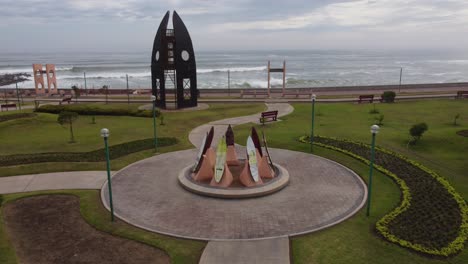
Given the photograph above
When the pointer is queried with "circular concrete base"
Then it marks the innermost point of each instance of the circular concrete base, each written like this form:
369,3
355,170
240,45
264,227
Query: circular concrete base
320,193
280,181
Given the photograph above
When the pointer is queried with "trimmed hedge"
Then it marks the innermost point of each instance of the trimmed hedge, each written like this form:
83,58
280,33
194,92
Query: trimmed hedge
432,217
115,151
388,97
4,118
89,109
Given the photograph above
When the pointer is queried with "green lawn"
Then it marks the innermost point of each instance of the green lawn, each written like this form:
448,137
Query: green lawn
354,241
179,250
43,134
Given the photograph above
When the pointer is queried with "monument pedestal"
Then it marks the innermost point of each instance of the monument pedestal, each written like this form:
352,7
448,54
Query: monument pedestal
231,156
246,177
264,169
206,171
225,181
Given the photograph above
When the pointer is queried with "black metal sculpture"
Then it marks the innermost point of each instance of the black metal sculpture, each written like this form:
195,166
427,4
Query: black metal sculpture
173,64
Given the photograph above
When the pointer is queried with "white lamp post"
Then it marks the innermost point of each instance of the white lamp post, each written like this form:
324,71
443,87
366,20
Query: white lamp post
313,97
374,131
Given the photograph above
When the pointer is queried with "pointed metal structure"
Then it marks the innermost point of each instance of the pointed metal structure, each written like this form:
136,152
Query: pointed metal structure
173,66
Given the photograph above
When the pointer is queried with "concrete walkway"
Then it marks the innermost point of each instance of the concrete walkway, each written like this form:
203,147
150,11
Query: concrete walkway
267,251
53,181
220,126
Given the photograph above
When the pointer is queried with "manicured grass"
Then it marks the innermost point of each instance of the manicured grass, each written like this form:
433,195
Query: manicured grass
179,250
440,149
43,134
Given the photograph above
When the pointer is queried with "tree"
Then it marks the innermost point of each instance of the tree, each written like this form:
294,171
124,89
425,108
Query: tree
66,117
76,91
416,131
455,119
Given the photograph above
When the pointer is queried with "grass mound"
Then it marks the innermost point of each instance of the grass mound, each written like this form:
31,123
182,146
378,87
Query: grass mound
432,217
115,151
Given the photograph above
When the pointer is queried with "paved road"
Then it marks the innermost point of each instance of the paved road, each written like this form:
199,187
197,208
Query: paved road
220,126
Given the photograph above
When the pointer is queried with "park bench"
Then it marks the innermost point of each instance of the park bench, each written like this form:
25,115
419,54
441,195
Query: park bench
66,99
7,106
253,92
461,94
297,93
366,98
269,116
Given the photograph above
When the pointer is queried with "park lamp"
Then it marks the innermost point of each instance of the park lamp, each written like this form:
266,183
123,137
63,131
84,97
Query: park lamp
375,129
313,97
105,133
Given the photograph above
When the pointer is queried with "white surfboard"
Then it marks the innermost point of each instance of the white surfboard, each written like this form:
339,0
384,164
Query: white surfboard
252,155
220,159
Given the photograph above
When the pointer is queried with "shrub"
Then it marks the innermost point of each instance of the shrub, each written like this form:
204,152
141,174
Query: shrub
4,118
379,120
115,151
388,97
76,92
416,131
88,109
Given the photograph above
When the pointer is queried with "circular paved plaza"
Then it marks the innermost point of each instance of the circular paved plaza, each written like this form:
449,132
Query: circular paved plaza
321,193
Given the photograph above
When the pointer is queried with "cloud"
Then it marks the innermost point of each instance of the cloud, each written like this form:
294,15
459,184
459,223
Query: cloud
238,24
365,13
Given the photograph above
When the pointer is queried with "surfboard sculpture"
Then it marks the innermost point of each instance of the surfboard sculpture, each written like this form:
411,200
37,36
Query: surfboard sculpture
266,150
256,141
220,159
229,136
200,154
206,144
252,156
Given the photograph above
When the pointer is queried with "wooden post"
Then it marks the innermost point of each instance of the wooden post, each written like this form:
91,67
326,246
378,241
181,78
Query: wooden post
284,75
268,79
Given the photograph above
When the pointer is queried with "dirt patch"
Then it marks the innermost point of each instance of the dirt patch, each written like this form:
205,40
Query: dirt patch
50,229
463,133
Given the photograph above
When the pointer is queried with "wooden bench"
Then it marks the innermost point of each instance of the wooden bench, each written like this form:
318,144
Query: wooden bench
253,92
269,116
461,94
7,106
366,98
297,93
66,99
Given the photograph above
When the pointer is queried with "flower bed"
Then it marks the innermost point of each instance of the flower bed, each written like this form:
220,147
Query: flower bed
432,217
115,151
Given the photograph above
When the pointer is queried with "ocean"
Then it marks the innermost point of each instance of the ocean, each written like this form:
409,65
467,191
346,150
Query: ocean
248,69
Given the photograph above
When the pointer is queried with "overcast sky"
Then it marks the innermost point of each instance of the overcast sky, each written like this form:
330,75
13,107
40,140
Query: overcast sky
116,25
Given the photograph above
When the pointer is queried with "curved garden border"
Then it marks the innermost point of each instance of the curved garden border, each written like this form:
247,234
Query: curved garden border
384,225
115,151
